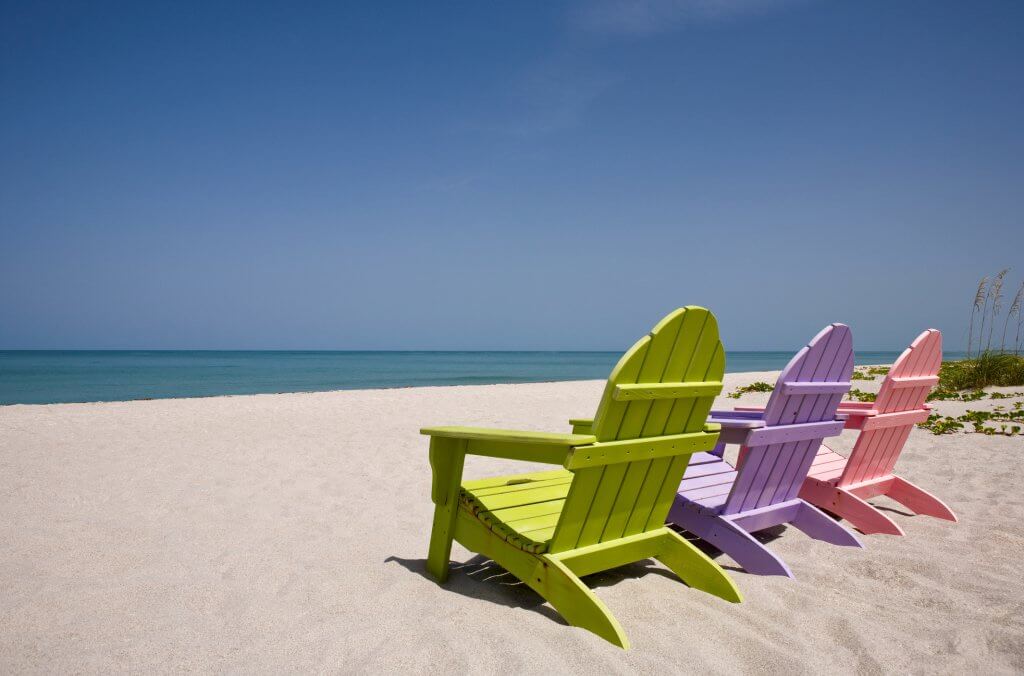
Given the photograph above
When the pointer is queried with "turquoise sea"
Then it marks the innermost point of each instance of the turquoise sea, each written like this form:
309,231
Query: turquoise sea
44,377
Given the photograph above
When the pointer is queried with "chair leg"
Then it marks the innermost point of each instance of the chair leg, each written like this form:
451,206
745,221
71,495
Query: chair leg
864,517
819,526
441,535
918,500
547,576
696,568
740,545
447,457
575,601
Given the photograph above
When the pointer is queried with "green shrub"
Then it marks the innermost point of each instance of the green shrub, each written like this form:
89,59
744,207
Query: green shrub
1008,422
759,386
861,395
989,368
869,372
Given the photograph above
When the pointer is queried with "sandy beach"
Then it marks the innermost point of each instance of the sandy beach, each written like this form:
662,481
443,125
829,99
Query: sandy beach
288,533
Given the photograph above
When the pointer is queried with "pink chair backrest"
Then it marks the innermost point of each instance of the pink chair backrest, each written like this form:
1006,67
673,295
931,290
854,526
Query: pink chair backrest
904,390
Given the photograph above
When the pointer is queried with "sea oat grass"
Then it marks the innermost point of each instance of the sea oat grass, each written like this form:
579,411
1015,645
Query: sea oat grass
1000,369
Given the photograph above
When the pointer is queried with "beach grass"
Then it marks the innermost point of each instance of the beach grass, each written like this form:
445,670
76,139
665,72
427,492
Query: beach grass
1000,369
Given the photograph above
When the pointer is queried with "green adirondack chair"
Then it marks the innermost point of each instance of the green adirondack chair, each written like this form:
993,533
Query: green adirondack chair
607,507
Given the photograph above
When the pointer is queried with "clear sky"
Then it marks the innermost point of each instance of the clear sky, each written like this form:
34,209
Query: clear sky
503,175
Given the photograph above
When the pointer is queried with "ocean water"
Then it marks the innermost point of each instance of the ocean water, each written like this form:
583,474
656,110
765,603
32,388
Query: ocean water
44,377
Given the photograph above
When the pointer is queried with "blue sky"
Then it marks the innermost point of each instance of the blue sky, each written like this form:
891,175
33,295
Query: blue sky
488,175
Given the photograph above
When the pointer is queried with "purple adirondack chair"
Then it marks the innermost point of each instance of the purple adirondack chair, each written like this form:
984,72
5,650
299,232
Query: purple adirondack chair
723,505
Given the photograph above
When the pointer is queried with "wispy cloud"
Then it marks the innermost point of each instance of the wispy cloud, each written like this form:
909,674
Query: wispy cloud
636,18
555,94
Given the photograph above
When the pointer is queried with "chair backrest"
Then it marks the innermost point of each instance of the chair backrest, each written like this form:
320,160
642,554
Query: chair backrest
663,386
807,392
900,404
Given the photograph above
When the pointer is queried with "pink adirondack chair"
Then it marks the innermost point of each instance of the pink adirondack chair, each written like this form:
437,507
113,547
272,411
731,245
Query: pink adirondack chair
843,485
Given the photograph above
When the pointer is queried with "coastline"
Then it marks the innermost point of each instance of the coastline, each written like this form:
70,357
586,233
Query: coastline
284,532
45,377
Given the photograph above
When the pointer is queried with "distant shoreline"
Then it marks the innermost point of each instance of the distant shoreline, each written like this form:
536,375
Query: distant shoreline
62,377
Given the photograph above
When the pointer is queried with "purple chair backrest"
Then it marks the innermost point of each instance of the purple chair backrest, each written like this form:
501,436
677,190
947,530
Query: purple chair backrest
808,391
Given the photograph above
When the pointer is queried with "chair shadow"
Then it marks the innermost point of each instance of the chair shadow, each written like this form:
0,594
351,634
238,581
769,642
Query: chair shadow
884,508
483,579
881,508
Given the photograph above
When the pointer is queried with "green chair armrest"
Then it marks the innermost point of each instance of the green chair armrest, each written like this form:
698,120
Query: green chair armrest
584,425
512,444
581,425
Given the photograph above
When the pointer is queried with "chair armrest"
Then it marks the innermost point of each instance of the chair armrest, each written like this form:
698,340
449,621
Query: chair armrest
735,425
581,425
856,415
749,409
856,405
512,444
737,417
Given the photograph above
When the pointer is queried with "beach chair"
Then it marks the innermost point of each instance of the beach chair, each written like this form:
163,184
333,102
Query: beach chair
843,485
607,506
723,504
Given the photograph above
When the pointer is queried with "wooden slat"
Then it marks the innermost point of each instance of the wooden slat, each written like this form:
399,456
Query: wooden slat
489,434
914,381
705,363
650,490
632,450
672,390
685,353
512,444
601,504
895,419
796,472
577,505
607,555
782,433
523,486
666,494
766,517
530,525
489,482
520,512
547,454
625,501
491,503
811,387
773,464
723,478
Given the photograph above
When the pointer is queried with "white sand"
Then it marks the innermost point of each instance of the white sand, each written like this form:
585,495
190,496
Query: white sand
288,533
